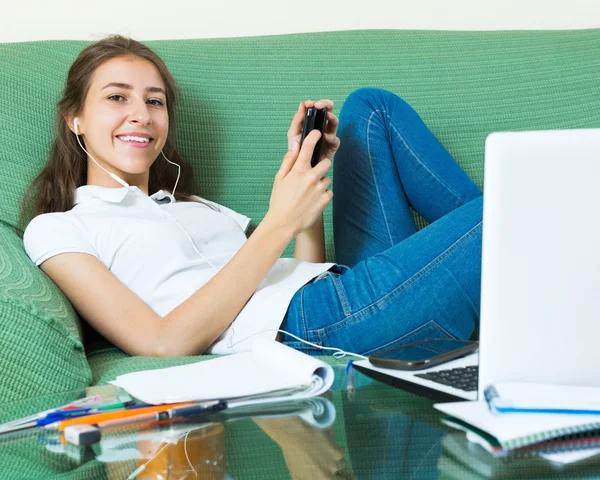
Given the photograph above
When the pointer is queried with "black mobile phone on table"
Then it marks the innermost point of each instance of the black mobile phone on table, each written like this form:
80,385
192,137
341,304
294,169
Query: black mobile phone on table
314,119
423,354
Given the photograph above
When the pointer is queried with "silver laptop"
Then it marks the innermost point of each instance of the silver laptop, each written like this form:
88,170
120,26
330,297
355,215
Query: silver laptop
540,286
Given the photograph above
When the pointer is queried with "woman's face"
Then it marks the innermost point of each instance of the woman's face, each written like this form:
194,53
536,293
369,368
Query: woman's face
125,122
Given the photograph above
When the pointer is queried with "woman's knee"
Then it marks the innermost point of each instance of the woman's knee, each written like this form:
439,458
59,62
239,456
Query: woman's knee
373,99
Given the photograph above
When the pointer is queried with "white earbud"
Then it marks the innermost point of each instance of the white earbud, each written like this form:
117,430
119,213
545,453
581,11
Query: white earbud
119,180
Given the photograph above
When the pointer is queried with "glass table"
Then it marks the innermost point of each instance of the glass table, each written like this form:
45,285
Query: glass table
370,431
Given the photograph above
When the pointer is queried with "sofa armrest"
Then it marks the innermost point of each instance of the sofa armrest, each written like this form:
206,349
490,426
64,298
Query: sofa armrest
41,340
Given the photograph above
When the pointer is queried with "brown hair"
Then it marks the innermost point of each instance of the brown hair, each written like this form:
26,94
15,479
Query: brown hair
53,189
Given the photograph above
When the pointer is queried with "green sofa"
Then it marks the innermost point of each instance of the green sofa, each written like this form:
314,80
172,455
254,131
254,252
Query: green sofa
237,99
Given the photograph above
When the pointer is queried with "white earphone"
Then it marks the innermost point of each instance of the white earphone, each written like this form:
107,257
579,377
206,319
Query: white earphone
115,177
121,181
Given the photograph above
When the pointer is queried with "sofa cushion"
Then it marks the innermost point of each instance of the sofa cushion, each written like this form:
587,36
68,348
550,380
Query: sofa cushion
40,340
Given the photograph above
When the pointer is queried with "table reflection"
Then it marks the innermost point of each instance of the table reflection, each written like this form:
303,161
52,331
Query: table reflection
372,432
462,459
301,431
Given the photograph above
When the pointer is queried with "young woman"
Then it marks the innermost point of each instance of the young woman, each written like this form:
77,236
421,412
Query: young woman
159,271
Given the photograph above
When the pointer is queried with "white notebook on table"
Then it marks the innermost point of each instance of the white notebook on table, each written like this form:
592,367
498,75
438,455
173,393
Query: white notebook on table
270,372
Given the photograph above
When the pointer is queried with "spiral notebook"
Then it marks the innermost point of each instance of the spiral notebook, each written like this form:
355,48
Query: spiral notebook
501,434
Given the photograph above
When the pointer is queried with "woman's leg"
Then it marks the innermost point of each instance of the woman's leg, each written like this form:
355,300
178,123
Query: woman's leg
388,159
426,286
404,285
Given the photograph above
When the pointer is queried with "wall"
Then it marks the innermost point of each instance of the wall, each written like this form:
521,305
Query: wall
158,19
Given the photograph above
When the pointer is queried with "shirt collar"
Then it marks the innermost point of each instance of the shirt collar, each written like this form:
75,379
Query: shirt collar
113,195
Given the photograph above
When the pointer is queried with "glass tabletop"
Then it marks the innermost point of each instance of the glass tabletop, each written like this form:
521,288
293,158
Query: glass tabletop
371,431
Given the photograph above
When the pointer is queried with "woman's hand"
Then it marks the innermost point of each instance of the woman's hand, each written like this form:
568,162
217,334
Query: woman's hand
331,142
300,192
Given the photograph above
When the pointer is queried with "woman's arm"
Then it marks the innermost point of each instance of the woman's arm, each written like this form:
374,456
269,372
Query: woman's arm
310,244
128,322
194,325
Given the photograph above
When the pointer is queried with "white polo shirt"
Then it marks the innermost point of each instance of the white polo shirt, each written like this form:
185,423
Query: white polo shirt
165,250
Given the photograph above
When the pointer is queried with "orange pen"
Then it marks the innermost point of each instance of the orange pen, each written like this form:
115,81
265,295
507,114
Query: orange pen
102,417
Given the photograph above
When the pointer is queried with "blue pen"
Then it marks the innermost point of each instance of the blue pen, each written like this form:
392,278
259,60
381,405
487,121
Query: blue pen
490,394
350,375
74,411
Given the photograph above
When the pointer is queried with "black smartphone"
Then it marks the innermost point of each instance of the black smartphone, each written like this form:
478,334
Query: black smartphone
423,354
314,119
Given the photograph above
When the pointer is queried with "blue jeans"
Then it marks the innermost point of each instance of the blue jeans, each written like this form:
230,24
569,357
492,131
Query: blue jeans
394,284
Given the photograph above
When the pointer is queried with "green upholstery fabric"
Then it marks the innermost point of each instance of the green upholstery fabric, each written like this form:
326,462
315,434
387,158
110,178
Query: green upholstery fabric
238,97
40,334
30,460
109,363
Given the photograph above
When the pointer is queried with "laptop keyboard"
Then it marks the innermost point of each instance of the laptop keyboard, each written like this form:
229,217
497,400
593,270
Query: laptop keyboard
463,378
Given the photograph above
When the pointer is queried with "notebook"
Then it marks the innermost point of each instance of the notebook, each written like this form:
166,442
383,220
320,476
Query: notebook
269,372
500,434
523,397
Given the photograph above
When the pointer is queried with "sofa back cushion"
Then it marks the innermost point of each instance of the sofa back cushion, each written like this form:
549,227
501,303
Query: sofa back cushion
239,94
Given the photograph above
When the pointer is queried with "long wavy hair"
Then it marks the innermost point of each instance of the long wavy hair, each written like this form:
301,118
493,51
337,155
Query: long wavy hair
53,189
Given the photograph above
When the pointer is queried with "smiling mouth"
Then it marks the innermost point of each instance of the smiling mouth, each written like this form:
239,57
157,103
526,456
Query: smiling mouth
134,139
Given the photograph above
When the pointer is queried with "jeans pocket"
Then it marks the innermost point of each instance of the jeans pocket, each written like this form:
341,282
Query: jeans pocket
431,329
